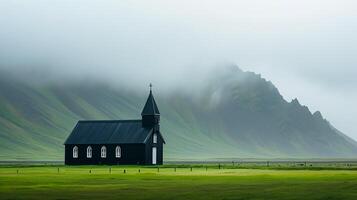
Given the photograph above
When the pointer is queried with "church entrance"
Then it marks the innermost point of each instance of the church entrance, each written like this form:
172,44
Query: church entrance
154,155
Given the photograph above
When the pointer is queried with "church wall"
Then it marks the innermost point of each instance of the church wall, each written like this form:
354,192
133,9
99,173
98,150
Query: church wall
130,154
148,150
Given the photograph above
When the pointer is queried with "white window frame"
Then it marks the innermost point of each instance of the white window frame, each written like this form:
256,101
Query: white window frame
103,152
89,152
118,152
154,138
75,152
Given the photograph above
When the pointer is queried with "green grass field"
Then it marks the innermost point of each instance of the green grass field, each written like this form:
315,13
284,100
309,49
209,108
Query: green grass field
105,182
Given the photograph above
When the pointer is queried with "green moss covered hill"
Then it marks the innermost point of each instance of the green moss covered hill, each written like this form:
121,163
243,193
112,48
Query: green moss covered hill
232,114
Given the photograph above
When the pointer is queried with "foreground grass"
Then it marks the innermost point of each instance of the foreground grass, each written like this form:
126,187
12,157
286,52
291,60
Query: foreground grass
103,182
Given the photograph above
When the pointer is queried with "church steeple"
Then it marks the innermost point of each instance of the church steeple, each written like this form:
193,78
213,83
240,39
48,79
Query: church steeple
150,107
150,114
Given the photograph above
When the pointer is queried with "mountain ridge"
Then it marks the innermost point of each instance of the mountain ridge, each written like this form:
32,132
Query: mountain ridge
232,114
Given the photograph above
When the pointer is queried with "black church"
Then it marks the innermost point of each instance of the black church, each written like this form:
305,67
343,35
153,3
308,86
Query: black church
118,142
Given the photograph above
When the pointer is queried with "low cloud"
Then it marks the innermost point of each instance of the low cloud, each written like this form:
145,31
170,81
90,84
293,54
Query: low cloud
305,48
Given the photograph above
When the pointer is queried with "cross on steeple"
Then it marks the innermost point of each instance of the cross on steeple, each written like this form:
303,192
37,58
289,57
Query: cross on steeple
150,114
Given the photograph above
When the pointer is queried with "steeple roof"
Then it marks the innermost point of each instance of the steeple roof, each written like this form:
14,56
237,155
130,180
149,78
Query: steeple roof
150,107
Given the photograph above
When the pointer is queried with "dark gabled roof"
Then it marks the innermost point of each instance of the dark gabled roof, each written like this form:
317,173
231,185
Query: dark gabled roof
150,107
160,137
109,132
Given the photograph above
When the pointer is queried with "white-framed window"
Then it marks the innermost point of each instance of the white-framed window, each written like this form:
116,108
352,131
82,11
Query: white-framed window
154,138
103,152
75,152
118,152
89,152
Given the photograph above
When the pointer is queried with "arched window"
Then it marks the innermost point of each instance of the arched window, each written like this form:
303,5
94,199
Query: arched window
103,152
75,152
89,152
154,138
118,152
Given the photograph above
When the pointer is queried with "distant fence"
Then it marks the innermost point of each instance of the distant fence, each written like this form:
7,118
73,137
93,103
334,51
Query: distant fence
30,162
218,164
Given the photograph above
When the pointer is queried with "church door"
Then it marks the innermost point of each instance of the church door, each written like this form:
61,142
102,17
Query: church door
154,152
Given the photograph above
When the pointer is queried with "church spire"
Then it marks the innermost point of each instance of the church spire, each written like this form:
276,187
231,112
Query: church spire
150,107
151,114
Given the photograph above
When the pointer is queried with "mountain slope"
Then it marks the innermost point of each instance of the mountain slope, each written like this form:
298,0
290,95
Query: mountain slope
233,114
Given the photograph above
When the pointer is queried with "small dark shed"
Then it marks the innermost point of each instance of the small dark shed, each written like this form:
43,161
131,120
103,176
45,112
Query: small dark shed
117,142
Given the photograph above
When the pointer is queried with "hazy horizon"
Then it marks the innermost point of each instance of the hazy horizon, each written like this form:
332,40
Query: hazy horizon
305,48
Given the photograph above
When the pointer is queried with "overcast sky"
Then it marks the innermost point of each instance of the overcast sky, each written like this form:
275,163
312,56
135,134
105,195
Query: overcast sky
306,48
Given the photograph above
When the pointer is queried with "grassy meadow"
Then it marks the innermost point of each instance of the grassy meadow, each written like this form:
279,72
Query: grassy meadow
178,182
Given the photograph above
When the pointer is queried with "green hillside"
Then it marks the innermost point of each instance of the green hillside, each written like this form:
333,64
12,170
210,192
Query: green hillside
233,114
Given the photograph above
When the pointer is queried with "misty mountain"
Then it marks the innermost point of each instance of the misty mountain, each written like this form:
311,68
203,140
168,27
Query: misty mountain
232,114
